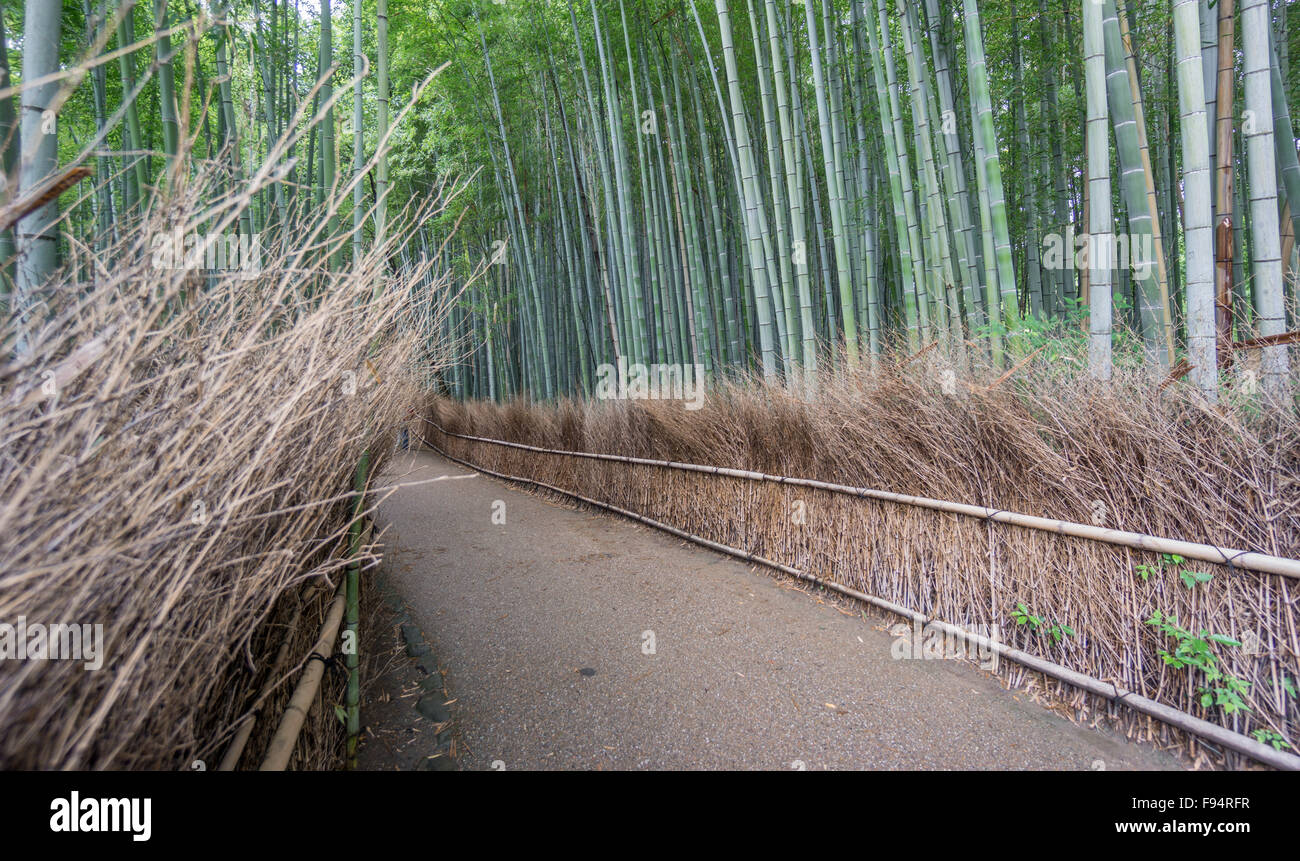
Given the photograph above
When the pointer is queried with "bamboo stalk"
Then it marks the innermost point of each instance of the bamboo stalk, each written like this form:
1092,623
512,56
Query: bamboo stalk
1157,232
1100,222
1266,254
236,748
282,743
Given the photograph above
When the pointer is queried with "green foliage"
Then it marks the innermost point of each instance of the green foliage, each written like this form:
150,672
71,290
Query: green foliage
1196,652
1172,561
1269,737
1145,571
1192,578
1039,625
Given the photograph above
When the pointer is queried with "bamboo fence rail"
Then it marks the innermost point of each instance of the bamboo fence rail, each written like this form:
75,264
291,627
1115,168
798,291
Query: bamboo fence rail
1247,559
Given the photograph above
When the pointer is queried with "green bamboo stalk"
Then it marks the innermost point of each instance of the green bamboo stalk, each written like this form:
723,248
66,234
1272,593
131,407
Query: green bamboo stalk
788,324
609,269
1133,185
940,241
1100,223
798,249
838,228
955,173
1028,182
1004,303
839,147
1148,174
869,281
926,291
1266,255
328,157
1284,139
689,225
358,136
382,105
1210,80
912,293
531,285
1052,112
724,310
166,82
653,262
138,177
635,301
37,236
1198,208
752,195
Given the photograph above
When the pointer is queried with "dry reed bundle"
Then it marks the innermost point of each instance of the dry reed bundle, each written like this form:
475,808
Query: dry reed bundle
1047,442
177,461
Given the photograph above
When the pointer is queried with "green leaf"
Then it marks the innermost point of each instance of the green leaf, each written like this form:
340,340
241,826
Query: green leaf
1192,578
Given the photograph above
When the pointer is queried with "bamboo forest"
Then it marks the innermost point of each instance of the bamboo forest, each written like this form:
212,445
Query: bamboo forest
414,384
761,187
778,188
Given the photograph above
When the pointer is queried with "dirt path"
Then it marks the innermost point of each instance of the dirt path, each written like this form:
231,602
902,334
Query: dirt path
543,626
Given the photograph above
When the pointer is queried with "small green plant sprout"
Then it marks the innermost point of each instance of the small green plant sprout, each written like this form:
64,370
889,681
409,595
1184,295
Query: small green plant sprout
1057,631
1191,579
1197,652
1288,685
1040,625
1267,736
1023,617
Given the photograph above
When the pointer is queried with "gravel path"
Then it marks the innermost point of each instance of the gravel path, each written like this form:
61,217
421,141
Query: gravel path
543,624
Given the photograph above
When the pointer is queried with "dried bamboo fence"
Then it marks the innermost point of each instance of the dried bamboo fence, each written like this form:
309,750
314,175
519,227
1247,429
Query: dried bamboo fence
950,563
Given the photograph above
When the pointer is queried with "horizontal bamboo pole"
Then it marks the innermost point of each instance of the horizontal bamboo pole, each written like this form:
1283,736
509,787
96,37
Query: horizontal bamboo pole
1174,717
1247,559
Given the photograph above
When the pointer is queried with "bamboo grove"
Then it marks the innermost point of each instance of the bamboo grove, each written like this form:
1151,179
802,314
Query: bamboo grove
111,109
772,187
